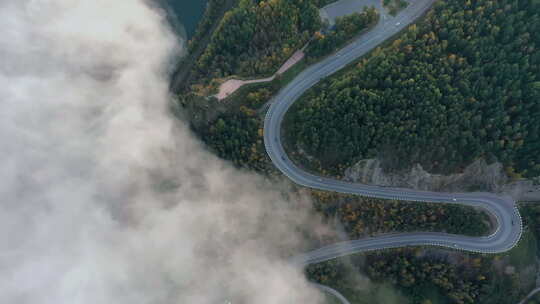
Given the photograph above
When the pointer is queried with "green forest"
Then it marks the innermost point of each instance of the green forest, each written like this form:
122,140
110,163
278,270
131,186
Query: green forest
346,28
211,12
427,275
243,44
363,216
462,84
238,137
418,277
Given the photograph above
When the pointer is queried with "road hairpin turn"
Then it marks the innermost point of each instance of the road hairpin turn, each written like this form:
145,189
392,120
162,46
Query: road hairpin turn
503,209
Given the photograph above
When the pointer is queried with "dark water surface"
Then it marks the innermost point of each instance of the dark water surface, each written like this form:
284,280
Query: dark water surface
189,13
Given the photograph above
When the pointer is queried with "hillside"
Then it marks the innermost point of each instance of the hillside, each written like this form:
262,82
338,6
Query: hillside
462,85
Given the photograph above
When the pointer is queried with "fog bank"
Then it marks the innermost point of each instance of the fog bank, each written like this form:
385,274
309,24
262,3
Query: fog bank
104,197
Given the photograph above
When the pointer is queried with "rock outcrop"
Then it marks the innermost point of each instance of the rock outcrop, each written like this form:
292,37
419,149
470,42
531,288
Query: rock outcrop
478,176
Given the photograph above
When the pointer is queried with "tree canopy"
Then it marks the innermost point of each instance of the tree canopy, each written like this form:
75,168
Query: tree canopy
257,36
346,28
463,84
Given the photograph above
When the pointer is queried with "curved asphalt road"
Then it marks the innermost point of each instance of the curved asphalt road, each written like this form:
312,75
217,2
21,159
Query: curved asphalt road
333,292
503,209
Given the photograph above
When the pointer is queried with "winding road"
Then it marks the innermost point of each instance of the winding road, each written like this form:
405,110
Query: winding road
503,209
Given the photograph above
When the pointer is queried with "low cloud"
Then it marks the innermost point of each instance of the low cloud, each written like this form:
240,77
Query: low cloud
105,198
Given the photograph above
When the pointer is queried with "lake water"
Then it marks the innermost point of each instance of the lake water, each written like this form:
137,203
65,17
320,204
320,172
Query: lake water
189,13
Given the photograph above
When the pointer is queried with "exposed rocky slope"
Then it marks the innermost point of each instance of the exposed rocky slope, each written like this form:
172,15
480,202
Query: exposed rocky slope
478,176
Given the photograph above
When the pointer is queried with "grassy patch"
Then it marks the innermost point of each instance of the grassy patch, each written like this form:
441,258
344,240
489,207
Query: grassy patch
291,73
534,299
524,254
513,285
330,299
